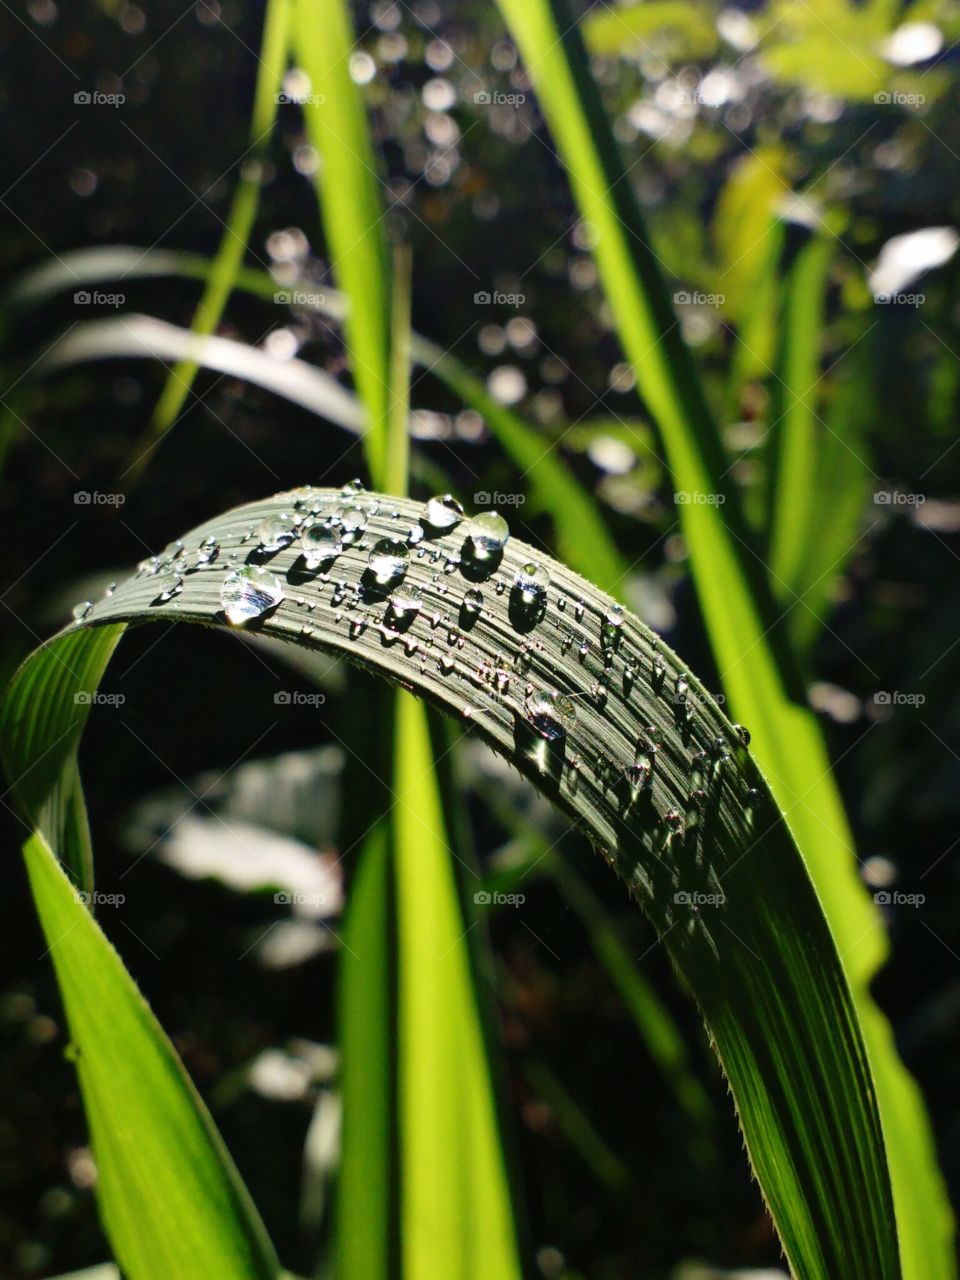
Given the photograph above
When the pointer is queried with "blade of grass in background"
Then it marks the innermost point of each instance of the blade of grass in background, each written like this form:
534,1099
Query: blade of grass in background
348,188
761,962
582,538
749,641
795,434
170,1198
239,224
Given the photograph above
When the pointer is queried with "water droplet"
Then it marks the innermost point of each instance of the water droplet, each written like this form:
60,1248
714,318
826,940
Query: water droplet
319,544
743,733
208,550
531,582
551,714
473,602
681,687
167,586
406,601
248,593
275,532
488,532
389,559
611,629
352,487
81,610
415,536
443,512
353,521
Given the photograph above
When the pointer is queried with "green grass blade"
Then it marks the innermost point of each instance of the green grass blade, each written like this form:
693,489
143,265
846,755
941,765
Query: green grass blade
348,187
795,435
762,962
747,634
581,535
240,219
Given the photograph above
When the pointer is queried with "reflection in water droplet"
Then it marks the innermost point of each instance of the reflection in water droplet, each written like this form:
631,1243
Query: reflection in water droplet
443,512
531,582
415,536
81,610
320,543
388,559
743,733
248,593
551,714
406,601
611,629
488,532
352,487
473,602
275,532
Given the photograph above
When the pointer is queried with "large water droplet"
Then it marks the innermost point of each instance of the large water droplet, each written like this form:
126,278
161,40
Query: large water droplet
389,559
167,586
81,610
275,532
443,512
319,544
352,487
406,601
551,714
488,532
248,593
743,733
531,582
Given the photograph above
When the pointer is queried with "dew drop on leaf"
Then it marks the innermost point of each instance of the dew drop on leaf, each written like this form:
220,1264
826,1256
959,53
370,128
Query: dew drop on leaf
248,593
388,560
320,543
551,714
488,532
443,512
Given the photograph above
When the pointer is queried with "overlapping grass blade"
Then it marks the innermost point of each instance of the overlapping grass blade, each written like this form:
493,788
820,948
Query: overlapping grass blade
745,624
171,1200
689,825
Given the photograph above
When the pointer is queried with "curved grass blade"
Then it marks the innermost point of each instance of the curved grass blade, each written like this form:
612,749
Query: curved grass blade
636,752
750,641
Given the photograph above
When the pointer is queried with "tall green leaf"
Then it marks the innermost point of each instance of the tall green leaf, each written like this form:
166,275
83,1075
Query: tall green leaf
745,624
